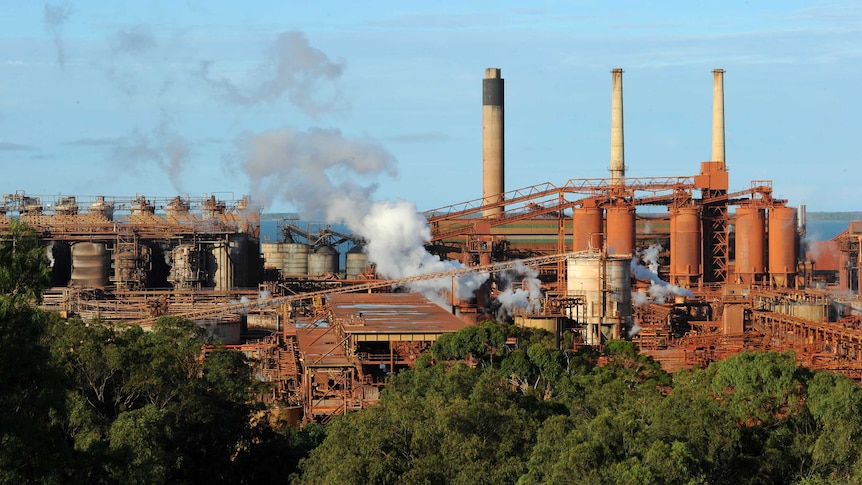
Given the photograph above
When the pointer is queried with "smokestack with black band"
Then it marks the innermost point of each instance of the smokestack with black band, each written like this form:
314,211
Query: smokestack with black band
718,115
492,140
618,163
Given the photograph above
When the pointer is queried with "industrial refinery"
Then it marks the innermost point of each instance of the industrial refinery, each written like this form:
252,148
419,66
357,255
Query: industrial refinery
692,268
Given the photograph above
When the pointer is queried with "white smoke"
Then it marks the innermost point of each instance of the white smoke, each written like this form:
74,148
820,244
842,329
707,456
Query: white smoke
659,290
319,172
291,66
163,145
636,329
527,297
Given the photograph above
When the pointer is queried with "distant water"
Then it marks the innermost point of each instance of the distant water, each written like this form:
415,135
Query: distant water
825,230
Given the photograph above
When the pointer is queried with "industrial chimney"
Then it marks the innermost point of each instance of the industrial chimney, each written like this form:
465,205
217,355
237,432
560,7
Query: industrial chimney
718,115
492,140
618,164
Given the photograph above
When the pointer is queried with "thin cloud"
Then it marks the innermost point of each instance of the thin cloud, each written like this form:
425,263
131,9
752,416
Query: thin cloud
15,147
91,142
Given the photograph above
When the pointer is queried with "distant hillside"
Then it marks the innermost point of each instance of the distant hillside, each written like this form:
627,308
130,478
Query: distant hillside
834,216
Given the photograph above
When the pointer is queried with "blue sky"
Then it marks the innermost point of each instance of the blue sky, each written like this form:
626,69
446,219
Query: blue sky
166,98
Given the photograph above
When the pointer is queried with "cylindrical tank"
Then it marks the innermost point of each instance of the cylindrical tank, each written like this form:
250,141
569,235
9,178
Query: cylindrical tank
604,284
142,207
102,208
125,267
273,255
587,228
750,244
66,206
545,323
782,245
620,229
295,259
685,245
356,262
91,265
177,207
223,268
323,260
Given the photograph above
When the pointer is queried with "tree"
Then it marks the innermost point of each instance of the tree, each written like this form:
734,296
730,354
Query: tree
24,271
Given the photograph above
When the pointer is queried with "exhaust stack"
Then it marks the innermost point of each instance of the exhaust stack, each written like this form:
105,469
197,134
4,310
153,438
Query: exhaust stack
618,164
718,115
493,174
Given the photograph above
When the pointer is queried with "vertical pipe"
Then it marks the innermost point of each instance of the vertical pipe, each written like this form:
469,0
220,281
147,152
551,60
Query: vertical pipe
493,173
618,165
718,115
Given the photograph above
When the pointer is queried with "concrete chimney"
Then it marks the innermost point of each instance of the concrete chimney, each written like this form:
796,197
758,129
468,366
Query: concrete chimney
718,115
493,174
618,163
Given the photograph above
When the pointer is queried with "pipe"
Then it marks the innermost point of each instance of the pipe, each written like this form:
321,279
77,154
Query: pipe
718,115
618,166
493,173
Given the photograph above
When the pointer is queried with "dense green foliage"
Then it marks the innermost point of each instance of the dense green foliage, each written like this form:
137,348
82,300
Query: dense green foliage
90,403
535,415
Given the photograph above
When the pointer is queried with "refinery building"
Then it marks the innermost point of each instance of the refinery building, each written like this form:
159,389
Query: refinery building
692,268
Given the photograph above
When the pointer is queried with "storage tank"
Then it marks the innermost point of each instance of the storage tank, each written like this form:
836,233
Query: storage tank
323,260
102,208
685,245
142,207
91,265
587,228
620,229
222,268
750,244
356,262
273,255
782,245
67,206
604,284
295,259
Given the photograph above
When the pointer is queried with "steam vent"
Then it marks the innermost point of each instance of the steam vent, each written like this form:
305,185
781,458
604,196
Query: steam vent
688,267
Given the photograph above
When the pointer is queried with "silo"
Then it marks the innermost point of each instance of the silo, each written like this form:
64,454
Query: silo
222,272
67,206
685,245
295,259
587,228
322,261
356,262
604,285
91,264
782,245
620,229
750,244
273,255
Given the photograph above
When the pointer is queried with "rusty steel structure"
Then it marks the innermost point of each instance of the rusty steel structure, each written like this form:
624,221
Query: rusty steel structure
688,269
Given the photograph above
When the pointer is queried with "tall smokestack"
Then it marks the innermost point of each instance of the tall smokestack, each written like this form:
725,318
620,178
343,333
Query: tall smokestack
718,115
618,163
492,140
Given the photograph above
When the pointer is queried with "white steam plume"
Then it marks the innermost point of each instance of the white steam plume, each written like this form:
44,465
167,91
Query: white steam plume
291,66
320,171
659,291
528,297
